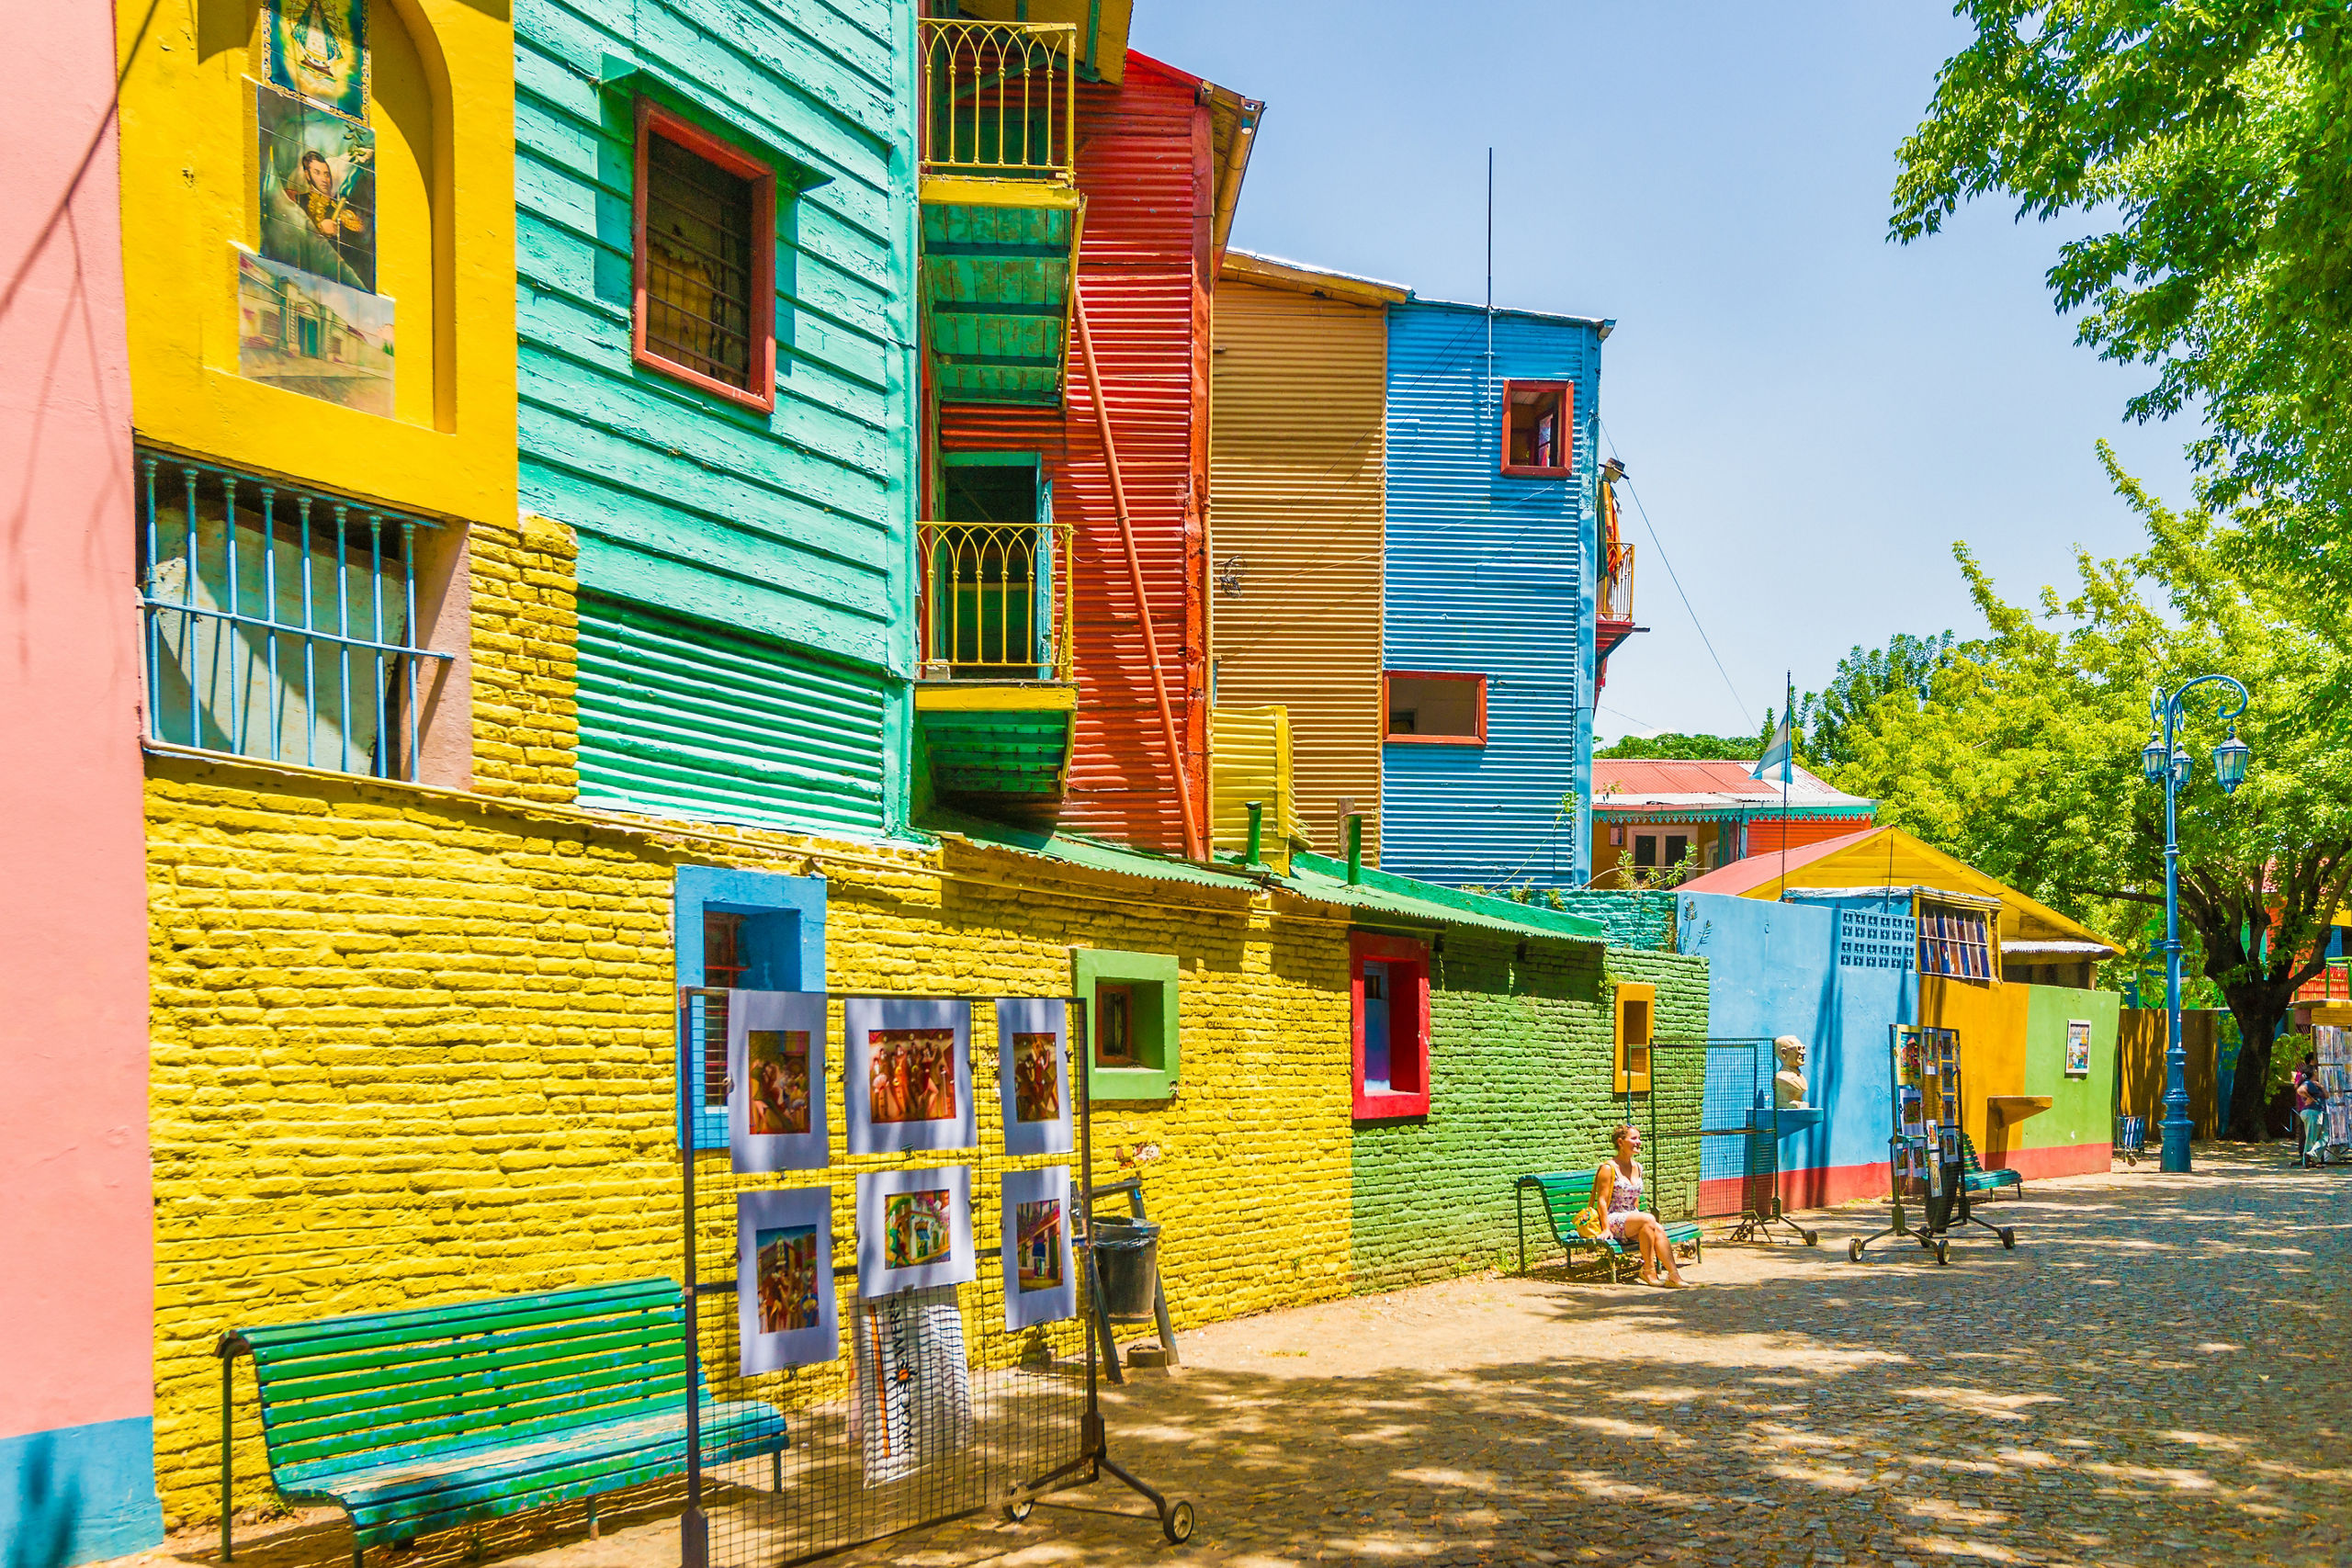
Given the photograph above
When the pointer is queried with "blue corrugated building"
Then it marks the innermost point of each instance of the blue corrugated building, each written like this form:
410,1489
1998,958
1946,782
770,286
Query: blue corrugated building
1489,595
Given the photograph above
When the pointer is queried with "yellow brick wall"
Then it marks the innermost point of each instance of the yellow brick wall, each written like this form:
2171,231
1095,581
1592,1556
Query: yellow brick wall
525,638
414,1047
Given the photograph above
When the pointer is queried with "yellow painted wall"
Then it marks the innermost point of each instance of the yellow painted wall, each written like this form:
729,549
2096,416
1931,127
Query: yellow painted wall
1250,758
1991,1019
443,110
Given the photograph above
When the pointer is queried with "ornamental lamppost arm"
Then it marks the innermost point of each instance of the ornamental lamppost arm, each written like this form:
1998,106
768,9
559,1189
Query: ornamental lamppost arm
2164,762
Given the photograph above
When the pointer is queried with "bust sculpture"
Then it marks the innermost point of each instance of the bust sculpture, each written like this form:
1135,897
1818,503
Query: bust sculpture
1788,1084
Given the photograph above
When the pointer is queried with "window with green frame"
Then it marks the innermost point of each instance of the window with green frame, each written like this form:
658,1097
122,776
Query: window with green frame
1132,1018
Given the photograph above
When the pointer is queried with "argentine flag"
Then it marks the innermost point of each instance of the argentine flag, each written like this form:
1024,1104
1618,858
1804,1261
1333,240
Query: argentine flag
1780,758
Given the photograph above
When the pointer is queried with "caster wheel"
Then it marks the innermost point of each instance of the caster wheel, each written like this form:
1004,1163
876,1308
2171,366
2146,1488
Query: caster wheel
1177,1523
1943,1254
1811,1238
1854,1250
2009,1240
1015,1513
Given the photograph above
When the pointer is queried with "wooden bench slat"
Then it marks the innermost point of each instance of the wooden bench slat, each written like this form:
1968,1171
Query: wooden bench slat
357,1349
584,1301
415,1427
464,1360
1565,1192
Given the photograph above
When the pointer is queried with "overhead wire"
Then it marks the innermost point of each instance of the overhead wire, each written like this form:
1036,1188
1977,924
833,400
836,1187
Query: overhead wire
1672,576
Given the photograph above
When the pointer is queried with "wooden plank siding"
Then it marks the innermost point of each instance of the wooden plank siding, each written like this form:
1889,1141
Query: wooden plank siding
1146,269
1297,466
785,536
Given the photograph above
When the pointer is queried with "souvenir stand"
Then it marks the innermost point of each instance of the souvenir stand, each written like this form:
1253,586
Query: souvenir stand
1924,1157
885,1244
2333,1046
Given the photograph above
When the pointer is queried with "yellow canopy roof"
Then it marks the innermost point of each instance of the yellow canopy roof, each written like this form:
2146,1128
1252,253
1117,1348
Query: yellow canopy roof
1889,857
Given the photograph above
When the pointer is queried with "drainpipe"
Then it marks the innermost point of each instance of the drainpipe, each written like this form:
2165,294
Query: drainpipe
1256,818
1194,849
1356,849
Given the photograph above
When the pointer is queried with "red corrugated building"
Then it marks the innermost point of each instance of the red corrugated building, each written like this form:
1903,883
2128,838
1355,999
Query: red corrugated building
1650,813
1158,157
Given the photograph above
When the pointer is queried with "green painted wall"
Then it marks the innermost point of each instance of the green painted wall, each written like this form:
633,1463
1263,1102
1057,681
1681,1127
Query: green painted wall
786,534
1521,1070
2081,1109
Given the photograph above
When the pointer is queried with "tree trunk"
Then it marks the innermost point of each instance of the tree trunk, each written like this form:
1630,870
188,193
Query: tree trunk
2257,1010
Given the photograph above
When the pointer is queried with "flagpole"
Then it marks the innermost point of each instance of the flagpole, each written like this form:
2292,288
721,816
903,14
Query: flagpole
1788,766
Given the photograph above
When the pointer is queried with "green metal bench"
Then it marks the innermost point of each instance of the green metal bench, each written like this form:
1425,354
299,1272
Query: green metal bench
418,1421
1977,1179
1565,1192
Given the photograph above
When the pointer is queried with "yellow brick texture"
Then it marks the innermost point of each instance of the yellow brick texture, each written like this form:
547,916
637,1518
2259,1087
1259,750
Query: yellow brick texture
412,1048
526,634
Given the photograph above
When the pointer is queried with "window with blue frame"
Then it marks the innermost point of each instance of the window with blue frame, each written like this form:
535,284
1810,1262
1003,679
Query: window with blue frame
754,931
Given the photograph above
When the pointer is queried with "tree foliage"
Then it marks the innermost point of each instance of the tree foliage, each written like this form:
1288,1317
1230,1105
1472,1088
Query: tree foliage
2025,759
1828,719
1678,747
2212,138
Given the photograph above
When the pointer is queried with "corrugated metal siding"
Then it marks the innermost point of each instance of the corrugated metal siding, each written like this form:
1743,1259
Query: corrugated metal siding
685,718
1487,574
1252,758
791,527
1296,467
1142,161
1765,833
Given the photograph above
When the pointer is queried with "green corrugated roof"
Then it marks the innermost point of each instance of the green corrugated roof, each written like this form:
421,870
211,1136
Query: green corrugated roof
1425,903
1402,899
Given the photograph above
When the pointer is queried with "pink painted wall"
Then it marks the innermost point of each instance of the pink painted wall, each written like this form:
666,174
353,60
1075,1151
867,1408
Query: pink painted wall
75,1223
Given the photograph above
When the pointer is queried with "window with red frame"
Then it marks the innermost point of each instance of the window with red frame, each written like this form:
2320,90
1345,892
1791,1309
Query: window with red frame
1535,428
704,260
1389,979
1436,709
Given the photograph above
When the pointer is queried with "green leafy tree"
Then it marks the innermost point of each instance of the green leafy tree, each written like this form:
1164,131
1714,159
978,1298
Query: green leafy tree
2025,759
1674,746
1827,718
2208,145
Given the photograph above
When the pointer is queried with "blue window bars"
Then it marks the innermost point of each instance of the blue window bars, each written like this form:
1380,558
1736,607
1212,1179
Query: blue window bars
267,630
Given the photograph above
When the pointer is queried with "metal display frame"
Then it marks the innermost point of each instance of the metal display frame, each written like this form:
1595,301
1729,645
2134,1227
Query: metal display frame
1030,1417
1924,1159
1757,1130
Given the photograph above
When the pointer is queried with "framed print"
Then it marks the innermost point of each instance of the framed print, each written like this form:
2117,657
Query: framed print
914,1229
913,1402
1040,1286
784,1279
319,49
775,1080
2079,1047
1033,1074
907,1073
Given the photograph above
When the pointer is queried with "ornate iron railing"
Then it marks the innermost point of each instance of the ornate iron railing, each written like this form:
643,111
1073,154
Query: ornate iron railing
280,620
999,99
997,600
1616,595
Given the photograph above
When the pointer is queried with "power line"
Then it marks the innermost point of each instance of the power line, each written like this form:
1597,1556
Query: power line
1672,577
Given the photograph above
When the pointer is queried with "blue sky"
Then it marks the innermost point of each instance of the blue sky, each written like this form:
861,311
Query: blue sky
1810,416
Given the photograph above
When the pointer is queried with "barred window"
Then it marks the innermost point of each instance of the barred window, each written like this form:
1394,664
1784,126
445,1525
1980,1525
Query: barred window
705,242
1955,941
280,621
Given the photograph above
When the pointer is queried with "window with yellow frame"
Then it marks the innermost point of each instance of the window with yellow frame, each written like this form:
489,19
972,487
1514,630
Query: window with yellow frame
1636,1026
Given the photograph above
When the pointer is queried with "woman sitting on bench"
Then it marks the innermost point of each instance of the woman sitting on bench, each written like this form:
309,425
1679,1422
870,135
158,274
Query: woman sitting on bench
1617,1192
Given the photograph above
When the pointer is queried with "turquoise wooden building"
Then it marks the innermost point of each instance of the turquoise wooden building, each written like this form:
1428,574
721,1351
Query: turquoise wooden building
716,241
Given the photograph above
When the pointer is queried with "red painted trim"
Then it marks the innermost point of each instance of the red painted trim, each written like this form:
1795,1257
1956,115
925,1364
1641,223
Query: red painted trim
2055,1159
652,120
1816,1187
1388,675
1408,961
1567,430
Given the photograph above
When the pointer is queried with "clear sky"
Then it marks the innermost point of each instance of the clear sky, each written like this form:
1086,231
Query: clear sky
1810,416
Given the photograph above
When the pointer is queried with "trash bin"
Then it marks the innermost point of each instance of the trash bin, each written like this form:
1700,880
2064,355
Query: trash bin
1127,1260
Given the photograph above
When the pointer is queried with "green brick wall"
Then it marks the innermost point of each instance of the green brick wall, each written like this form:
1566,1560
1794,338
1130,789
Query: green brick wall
1643,919
1521,1070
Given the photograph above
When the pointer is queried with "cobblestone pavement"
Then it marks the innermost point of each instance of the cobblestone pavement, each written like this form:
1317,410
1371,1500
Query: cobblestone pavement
2145,1379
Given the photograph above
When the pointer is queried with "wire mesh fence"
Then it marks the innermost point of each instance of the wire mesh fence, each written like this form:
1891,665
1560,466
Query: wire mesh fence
1712,1128
891,1293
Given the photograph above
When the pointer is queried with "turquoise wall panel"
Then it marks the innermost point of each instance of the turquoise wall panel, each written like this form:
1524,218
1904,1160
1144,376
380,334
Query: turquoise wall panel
781,542
79,1494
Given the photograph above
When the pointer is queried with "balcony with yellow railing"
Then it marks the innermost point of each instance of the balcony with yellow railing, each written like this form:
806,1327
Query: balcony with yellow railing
995,700
1614,601
1000,207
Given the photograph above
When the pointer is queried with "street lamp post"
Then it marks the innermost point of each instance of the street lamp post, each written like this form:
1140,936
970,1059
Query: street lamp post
2164,762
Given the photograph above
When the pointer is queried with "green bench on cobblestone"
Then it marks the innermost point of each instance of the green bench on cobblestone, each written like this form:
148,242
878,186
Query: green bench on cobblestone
1977,1179
1563,1193
417,1421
